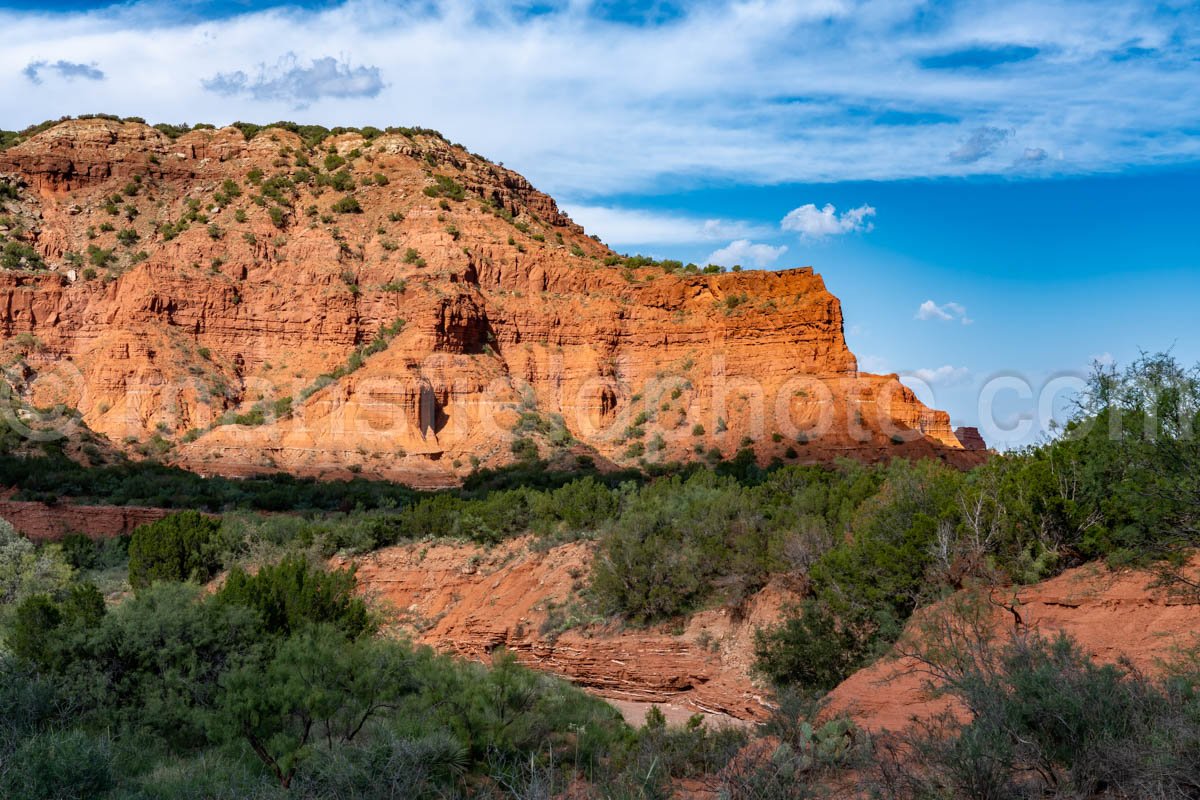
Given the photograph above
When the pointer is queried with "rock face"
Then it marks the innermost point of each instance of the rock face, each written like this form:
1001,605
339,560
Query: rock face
401,308
970,438
44,523
471,600
1113,614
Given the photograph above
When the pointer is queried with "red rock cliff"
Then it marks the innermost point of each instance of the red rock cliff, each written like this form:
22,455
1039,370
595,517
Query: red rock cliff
400,307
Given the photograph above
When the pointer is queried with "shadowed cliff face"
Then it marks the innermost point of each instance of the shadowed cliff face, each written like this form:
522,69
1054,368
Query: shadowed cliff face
401,308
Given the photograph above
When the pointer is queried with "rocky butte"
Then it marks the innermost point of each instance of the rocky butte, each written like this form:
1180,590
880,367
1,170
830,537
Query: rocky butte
392,305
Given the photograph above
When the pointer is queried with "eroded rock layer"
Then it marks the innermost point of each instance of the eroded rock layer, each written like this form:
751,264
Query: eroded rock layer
402,308
472,601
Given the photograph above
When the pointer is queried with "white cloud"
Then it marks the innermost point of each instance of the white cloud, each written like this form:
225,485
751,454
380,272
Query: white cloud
292,82
67,70
875,364
943,376
747,254
756,92
817,223
947,312
624,227
979,145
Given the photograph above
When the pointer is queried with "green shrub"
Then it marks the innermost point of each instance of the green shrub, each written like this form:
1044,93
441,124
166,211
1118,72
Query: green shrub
60,764
659,557
40,623
811,649
17,255
348,205
292,593
447,187
178,547
99,257
524,449
411,256
26,569
579,505
1043,719
344,683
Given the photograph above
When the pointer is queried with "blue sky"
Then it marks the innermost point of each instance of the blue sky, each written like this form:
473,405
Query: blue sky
992,188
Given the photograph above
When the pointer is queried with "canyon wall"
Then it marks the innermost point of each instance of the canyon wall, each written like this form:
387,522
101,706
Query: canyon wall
48,523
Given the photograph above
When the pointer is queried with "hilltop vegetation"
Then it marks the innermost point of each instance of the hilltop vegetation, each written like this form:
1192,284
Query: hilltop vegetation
312,135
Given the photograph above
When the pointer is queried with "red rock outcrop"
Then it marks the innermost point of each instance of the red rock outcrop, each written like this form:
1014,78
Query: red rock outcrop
970,439
1112,614
46,523
193,280
469,600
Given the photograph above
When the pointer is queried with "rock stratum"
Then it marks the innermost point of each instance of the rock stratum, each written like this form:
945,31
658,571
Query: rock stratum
395,306
472,601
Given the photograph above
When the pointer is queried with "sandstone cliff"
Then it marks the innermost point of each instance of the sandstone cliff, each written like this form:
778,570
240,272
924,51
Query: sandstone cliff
398,307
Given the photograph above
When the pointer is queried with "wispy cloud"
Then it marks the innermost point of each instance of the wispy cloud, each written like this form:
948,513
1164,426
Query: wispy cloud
817,223
981,143
948,312
873,363
746,253
761,92
290,81
628,227
67,70
946,375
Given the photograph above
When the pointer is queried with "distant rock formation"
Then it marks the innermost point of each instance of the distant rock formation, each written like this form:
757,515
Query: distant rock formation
970,439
